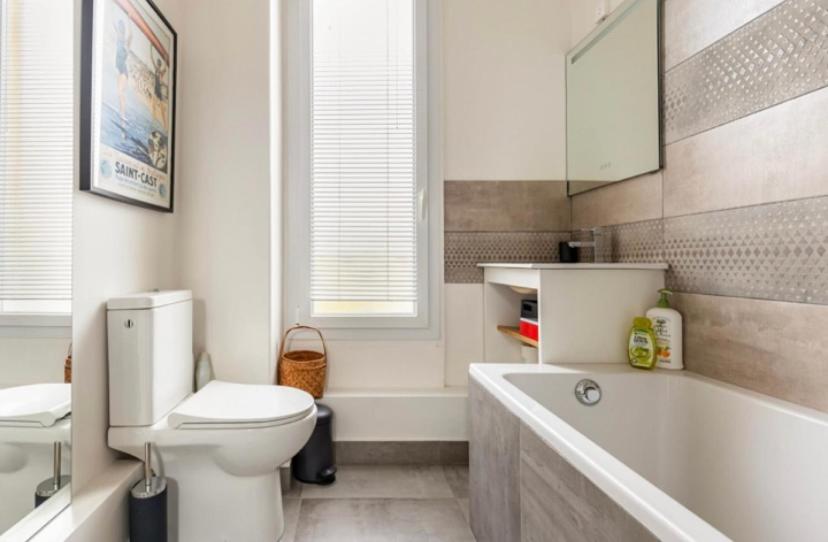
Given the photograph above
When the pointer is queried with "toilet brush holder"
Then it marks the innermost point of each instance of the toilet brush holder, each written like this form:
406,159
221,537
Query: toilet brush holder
148,505
47,488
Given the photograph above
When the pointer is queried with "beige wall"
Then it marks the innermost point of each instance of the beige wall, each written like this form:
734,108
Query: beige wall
226,187
504,86
117,249
584,16
749,184
31,359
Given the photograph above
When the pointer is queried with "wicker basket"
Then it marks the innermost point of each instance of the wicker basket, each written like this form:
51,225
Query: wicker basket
303,369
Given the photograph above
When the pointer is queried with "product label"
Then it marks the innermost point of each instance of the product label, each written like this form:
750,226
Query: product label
640,349
661,327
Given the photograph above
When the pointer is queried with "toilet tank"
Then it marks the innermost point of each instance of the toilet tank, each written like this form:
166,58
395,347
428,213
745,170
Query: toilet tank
150,346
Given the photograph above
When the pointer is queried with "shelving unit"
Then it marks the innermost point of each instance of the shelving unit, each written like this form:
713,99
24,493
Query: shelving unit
514,332
584,310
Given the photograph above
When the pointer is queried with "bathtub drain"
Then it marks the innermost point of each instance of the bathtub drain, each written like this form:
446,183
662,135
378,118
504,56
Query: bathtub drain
588,392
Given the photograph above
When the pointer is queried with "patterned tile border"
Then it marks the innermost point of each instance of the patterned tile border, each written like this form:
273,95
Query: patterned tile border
776,252
464,250
640,242
776,57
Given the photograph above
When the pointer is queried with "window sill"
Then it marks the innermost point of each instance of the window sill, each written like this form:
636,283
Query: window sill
35,325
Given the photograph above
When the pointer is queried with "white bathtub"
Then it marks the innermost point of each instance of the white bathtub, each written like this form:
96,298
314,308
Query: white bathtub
688,457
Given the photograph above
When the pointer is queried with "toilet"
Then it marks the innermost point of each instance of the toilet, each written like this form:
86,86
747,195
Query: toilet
32,419
219,448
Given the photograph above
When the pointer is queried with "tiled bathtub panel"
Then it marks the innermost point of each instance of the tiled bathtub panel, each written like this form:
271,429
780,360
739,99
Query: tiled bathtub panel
777,251
464,250
777,56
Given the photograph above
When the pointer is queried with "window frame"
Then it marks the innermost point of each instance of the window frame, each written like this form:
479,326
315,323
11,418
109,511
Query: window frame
428,160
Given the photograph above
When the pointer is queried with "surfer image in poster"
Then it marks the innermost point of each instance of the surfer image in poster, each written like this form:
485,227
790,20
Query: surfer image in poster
159,102
140,70
132,102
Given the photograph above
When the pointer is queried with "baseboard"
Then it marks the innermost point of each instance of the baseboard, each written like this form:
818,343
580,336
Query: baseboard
402,453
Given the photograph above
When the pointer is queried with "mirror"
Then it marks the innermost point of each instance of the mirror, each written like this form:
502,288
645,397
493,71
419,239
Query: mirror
36,186
613,129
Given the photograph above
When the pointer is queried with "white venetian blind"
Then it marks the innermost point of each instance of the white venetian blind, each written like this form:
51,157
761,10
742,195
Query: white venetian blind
36,155
363,178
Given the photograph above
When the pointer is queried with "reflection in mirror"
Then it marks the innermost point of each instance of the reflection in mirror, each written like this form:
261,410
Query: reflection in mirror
612,99
36,185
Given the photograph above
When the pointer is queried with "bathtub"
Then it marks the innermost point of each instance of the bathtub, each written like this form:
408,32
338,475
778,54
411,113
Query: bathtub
687,457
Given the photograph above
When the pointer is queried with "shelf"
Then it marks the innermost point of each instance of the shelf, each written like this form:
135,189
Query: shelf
514,333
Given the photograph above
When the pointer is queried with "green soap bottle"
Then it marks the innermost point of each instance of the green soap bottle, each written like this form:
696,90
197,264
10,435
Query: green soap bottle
642,345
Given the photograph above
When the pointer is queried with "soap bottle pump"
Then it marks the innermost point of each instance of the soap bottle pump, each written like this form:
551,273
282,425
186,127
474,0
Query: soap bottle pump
667,325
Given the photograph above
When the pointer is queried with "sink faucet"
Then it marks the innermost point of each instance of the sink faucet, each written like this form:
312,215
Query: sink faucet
601,245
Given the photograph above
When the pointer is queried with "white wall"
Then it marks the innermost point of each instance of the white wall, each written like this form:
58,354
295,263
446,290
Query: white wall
33,359
117,249
224,193
504,89
584,16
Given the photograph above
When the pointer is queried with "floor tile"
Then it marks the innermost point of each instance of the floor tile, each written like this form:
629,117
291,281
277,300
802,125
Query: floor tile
464,507
383,482
458,480
295,490
382,520
291,509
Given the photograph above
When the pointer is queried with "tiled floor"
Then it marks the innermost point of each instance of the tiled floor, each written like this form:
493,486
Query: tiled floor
382,504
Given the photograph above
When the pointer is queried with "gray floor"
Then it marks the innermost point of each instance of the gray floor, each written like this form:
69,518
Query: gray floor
382,504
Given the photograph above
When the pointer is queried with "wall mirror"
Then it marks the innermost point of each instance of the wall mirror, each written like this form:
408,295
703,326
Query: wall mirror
613,124
36,186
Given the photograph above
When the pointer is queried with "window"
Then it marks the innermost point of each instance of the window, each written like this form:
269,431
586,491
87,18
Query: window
36,155
360,242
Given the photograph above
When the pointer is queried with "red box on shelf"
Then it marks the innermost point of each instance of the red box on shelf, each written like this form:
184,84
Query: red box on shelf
529,328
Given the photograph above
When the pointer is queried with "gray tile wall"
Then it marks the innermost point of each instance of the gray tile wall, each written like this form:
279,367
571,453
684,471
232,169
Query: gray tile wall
777,251
772,59
771,347
741,208
464,250
502,221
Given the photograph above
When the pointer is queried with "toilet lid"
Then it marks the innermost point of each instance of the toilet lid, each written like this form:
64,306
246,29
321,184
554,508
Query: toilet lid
227,404
35,405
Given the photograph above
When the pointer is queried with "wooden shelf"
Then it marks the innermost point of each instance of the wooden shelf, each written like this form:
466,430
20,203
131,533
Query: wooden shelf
514,333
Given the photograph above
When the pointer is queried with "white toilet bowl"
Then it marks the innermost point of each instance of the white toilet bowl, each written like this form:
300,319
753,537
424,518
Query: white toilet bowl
32,419
220,450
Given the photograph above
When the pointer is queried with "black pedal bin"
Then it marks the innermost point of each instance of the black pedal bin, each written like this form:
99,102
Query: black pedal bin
314,464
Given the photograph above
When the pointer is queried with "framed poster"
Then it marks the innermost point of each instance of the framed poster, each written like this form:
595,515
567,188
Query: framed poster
128,103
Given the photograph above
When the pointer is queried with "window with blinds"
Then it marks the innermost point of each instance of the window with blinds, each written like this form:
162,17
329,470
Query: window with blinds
36,155
364,189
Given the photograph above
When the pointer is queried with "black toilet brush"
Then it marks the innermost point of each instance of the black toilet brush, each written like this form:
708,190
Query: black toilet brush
148,505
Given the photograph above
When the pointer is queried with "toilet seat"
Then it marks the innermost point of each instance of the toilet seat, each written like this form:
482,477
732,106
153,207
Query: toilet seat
226,405
35,405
